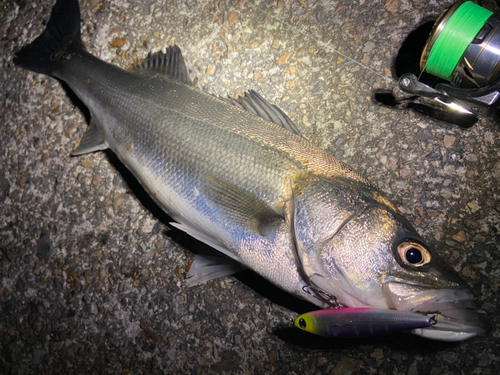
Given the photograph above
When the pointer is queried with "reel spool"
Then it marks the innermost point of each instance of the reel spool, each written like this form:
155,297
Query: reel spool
463,48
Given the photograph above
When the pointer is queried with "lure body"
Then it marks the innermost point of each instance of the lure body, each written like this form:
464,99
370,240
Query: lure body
360,322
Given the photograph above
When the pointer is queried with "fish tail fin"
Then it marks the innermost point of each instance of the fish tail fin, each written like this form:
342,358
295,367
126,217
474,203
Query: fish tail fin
60,38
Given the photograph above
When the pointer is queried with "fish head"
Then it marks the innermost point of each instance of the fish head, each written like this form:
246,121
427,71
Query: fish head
353,244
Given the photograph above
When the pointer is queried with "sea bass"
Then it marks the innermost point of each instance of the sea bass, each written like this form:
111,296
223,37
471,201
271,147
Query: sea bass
237,175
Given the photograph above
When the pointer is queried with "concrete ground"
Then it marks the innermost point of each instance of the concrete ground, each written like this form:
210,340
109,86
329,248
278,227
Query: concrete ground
92,279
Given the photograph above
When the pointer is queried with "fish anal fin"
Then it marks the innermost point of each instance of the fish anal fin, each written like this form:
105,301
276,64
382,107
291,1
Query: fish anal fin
170,63
93,140
241,208
258,106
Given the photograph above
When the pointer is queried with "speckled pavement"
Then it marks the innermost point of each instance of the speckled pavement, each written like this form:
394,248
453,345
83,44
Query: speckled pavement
93,279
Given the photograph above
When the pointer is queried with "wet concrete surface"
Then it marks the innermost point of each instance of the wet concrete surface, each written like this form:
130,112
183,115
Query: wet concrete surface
92,277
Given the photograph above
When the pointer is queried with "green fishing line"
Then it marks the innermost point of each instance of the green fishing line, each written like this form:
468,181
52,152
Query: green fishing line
452,42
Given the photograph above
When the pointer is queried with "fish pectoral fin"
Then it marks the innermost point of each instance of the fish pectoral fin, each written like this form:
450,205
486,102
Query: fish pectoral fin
241,208
170,63
205,238
258,106
93,140
205,268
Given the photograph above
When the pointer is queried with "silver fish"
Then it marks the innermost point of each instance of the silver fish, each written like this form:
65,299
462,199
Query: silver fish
237,175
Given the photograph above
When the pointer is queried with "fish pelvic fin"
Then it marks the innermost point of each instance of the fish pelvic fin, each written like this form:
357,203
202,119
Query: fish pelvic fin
206,238
171,63
258,106
205,268
60,39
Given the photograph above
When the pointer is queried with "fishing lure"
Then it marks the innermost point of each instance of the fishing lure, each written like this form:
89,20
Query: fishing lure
361,322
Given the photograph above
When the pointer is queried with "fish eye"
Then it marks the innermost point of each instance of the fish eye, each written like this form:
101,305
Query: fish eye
302,323
413,254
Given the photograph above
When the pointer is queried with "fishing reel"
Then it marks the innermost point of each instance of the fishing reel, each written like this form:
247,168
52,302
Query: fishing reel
459,78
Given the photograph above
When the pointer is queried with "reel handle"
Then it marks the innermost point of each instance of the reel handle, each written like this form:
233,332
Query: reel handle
479,101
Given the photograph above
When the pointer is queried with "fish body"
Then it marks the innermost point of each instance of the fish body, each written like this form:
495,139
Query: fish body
196,154
248,185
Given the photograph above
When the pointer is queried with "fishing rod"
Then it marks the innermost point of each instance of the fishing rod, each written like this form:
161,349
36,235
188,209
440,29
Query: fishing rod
462,53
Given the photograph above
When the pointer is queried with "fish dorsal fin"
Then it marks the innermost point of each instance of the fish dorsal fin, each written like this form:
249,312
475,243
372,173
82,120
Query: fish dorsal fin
258,106
169,62
93,140
241,208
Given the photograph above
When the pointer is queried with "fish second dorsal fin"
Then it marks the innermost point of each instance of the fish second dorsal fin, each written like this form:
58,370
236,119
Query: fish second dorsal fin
169,62
258,106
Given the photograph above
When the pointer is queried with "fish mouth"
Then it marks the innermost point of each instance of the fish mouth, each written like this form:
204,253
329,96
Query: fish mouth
453,310
446,328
